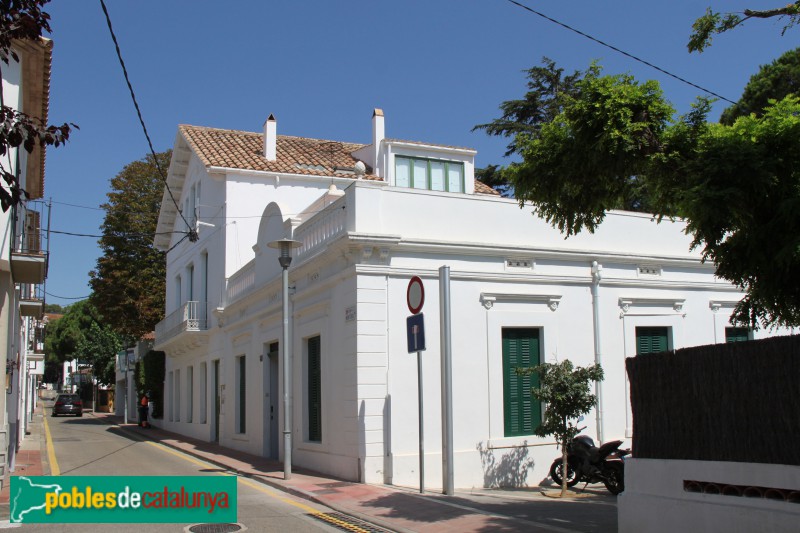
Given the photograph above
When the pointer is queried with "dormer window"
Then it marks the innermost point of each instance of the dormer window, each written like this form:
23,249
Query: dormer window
429,174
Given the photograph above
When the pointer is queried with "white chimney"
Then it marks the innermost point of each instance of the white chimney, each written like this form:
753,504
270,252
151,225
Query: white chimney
270,134
378,129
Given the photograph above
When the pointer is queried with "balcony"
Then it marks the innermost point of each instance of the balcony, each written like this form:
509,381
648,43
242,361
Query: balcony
184,329
31,300
28,260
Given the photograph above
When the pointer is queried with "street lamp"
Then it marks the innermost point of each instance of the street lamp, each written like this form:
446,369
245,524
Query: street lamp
285,259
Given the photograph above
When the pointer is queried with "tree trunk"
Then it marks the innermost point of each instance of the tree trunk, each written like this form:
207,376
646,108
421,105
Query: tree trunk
564,470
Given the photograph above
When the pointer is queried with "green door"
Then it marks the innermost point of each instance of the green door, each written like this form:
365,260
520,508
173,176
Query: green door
522,414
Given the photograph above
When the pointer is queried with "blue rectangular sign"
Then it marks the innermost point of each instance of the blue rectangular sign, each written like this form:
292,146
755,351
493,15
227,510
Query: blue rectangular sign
415,330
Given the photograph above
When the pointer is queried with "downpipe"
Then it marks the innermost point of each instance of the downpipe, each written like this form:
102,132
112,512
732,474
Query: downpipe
598,358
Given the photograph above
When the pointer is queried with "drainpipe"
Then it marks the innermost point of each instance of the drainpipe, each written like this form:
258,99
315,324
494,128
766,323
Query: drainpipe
598,359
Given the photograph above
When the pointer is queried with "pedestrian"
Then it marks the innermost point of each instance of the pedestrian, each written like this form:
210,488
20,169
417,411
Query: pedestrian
143,408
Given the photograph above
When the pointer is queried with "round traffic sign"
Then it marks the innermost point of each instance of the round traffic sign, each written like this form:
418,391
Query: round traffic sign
415,295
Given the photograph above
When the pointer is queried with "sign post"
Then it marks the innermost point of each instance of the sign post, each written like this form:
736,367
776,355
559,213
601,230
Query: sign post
415,324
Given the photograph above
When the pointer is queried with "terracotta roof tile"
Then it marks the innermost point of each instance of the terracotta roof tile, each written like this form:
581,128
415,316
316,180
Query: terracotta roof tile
482,188
295,155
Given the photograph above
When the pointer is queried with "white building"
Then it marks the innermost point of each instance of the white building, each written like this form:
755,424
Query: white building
23,262
370,217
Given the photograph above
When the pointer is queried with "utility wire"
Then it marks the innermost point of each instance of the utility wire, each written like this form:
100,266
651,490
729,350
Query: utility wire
116,235
623,52
192,234
66,297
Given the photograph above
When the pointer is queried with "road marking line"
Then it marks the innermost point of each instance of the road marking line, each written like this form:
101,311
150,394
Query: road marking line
269,491
51,451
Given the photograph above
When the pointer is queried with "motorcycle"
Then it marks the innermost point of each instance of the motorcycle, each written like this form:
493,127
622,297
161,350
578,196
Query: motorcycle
588,463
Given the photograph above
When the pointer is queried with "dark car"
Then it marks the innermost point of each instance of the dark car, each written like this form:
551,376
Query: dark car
68,404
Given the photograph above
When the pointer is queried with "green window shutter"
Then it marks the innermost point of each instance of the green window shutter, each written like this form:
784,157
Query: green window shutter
652,340
242,395
314,390
522,414
737,334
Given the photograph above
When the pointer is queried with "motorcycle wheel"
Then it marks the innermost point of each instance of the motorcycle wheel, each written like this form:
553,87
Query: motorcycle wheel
555,472
615,477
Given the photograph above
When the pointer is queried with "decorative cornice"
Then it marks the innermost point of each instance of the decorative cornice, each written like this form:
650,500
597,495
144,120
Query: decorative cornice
626,303
488,299
716,305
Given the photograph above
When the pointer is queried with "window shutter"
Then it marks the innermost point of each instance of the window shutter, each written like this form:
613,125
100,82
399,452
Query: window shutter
314,390
737,334
242,395
522,414
652,340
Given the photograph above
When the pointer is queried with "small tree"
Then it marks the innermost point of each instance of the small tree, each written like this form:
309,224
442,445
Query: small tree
566,391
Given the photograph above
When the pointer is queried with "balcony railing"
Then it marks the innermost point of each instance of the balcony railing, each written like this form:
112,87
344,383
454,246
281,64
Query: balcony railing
191,316
321,229
31,300
240,283
28,260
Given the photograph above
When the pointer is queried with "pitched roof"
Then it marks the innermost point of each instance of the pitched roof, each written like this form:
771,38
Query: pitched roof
295,155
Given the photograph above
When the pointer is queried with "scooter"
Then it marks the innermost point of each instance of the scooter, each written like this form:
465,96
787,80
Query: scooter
588,463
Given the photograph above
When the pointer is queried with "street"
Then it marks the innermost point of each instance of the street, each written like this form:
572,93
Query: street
87,446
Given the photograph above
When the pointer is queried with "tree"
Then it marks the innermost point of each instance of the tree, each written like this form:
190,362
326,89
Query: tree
735,186
713,23
547,89
565,391
771,82
82,335
128,281
22,20
494,176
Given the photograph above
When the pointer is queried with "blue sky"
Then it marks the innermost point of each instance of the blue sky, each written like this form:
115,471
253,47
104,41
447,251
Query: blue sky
436,68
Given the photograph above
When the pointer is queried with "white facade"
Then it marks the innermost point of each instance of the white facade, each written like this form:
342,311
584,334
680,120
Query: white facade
23,264
362,241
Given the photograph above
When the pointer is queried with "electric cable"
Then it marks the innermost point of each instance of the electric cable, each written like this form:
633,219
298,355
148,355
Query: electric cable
192,234
623,52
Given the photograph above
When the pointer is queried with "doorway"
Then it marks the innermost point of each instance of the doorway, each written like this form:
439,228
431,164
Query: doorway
271,401
216,400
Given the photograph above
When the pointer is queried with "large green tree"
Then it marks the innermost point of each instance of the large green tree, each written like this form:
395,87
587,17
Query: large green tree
772,82
128,281
737,187
82,334
713,22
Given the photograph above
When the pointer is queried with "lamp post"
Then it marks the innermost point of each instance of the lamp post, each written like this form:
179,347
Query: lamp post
284,246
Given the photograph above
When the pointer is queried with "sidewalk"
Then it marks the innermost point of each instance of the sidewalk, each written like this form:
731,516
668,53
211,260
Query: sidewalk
393,508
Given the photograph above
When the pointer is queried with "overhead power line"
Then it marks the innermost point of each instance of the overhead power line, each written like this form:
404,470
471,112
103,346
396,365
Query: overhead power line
618,50
192,233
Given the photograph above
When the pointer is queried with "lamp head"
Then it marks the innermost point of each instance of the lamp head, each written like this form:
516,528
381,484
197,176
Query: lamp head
284,246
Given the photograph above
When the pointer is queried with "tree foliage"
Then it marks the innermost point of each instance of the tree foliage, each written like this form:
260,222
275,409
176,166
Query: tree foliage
128,281
22,20
566,392
737,187
81,334
772,82
713,23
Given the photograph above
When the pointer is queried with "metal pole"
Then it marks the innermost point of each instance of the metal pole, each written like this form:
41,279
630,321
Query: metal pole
598,358
287,382
421,426
447,382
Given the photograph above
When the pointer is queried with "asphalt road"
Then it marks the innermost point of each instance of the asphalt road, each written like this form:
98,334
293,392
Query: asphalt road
85,446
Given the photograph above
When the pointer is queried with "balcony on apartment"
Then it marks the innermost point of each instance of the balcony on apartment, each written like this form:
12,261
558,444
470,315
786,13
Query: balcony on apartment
28,258
184,329
31,300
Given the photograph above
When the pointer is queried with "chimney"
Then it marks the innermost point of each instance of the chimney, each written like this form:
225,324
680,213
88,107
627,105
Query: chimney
378,130
270,134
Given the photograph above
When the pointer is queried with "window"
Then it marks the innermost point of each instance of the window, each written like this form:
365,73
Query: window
522,414
314,398
171,385
203,392
431,174
190,283
652,340
189,393
241,396
177,396
737,334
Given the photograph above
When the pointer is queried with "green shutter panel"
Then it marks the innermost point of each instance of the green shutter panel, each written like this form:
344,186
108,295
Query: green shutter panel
522,414
652,340
314,390
242,395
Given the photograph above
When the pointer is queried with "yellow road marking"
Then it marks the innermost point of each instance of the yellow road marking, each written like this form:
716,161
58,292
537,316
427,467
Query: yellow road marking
269,491
51,451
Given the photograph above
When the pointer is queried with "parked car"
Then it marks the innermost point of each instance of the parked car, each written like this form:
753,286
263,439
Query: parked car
68,404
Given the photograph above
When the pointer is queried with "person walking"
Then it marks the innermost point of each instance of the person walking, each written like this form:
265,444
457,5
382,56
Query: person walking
144,406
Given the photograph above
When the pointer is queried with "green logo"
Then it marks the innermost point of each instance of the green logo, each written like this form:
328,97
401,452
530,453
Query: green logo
122,499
